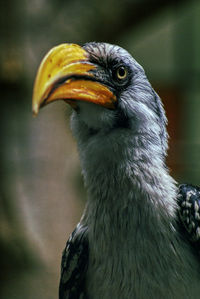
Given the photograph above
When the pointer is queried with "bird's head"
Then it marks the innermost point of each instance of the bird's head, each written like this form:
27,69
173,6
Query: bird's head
107,89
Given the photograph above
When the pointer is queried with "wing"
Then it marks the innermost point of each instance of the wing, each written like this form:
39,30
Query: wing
74,265
189,212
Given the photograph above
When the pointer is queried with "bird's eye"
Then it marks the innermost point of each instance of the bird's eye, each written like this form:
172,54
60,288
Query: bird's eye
121,73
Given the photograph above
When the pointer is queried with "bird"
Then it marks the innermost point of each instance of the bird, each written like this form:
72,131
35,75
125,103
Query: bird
139,233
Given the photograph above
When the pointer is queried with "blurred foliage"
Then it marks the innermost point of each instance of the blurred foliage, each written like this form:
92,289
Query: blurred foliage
41,189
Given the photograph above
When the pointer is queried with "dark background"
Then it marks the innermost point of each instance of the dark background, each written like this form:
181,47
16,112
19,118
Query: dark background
41,190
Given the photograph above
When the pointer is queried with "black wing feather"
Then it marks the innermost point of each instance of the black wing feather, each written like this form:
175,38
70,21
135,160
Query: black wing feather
189,212
74,265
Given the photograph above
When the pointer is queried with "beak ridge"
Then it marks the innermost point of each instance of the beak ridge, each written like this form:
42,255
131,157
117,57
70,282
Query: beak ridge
65,73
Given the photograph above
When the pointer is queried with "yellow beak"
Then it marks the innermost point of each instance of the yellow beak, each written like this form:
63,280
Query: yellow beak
65,74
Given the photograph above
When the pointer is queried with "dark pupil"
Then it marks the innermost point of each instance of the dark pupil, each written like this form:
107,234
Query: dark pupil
121,72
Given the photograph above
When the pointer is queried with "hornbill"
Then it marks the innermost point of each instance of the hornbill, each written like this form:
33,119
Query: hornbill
139,234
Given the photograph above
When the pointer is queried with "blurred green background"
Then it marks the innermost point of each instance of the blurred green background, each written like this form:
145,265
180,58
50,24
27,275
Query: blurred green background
41,190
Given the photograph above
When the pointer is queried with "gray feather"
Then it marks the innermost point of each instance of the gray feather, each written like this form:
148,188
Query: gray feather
135,247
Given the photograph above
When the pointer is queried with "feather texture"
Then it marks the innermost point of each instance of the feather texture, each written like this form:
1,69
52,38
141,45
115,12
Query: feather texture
189,212
74,265
133,244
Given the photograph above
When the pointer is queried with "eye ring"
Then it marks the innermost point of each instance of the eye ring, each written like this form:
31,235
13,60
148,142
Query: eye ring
121,72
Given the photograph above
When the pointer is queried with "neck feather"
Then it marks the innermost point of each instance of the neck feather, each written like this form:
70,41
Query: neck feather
126,173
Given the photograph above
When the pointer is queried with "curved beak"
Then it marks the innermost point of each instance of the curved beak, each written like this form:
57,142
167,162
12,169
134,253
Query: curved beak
65,73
